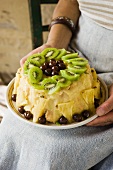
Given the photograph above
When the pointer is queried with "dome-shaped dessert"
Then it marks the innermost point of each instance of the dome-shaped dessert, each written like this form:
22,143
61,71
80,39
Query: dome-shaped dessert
56,86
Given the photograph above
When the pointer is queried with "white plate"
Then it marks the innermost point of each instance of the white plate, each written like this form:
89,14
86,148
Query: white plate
14,111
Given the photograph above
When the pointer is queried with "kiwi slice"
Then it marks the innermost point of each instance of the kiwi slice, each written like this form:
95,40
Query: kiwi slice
61,81
50,53
62,52
29,64
79,62
35,74
38,86
50,85
76,69
69,75
70,56
37,57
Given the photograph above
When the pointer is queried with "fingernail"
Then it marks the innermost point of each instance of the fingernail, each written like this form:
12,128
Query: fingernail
100,111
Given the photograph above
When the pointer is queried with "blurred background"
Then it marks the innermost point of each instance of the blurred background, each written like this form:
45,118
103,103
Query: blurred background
15,34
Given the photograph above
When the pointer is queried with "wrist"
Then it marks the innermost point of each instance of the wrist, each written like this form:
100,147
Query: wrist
65,21
59,36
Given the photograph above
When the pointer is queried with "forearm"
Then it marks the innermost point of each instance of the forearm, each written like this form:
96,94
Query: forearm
60,34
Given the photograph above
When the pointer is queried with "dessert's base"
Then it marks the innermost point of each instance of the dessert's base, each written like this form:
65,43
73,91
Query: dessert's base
14,110
80,96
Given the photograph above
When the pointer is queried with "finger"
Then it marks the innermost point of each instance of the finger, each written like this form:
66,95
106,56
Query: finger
111,90
22,61
37,50
102,120
106,107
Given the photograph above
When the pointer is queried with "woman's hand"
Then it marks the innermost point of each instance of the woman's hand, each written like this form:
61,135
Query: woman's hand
37,50
104,112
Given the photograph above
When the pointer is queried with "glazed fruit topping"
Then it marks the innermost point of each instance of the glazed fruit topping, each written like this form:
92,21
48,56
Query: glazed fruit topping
54,62
44,66
21,109
13,97
63,120
80,117
42,120
48,72
52,67
86,114
96,102
28,115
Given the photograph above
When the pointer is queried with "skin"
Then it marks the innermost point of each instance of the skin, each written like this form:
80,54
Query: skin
104,112
59,37
59,31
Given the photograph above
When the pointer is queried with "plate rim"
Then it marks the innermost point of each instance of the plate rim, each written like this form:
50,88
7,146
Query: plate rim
55,127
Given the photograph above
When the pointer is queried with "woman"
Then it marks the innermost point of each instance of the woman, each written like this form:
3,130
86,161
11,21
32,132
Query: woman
93,38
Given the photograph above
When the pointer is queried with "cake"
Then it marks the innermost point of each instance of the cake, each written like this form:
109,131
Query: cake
58,87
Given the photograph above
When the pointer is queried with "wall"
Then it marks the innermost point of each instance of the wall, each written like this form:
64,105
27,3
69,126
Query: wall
15,34
47,10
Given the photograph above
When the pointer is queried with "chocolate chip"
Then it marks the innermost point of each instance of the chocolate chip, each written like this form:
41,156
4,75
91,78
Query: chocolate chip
28,115
42,120
21,109
13,97
78,117
63,120
86,114
96,102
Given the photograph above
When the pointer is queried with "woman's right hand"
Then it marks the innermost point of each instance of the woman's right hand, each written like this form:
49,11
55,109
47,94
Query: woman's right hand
37,50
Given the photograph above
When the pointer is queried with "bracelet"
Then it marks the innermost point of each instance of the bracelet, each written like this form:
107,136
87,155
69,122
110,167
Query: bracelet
63,20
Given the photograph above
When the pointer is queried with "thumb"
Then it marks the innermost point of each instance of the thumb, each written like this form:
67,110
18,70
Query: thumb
37,50
107,106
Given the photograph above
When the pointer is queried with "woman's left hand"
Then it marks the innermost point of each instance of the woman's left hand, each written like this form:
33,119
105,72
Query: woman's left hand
104,112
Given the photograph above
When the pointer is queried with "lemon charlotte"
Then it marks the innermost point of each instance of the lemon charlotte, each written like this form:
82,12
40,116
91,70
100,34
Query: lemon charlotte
56,86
